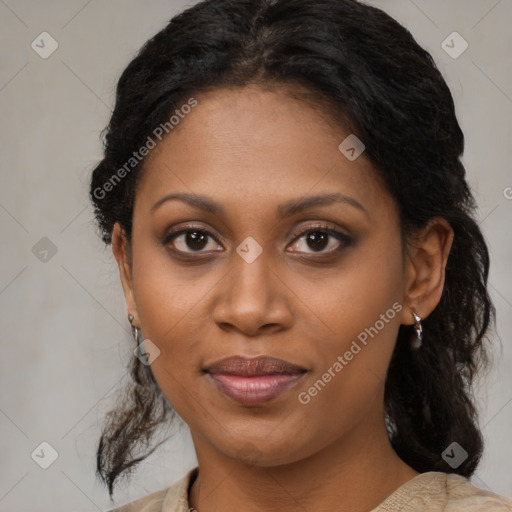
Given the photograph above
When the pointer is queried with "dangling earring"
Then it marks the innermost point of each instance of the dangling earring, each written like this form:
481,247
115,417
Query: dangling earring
417,338
145,351
137,334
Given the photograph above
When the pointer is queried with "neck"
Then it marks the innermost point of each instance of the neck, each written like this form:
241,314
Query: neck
354,473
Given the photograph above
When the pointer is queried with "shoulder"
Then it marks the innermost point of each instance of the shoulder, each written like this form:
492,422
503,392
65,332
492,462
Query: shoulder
463,495
435,491
150,503
172,499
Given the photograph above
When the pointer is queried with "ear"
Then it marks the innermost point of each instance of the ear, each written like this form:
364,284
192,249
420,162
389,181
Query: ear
425,265
122,254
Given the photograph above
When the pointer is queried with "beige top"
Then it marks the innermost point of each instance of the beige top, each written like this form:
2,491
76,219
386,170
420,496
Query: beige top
427,492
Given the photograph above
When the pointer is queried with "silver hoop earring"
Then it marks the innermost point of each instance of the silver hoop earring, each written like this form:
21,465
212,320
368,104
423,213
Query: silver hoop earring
136,331
417,338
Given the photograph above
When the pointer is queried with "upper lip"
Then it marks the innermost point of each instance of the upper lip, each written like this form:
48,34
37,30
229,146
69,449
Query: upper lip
254,366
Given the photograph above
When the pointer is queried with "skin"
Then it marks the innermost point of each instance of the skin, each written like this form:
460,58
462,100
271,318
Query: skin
250,150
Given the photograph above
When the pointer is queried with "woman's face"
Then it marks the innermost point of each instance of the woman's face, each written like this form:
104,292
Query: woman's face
330,302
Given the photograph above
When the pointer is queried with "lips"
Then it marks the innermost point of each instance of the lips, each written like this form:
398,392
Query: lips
256,366
254,381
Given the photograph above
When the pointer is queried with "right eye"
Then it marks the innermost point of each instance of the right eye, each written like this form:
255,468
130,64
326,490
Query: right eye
191,237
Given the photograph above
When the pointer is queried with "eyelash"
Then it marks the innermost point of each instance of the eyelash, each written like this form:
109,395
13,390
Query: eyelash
341,237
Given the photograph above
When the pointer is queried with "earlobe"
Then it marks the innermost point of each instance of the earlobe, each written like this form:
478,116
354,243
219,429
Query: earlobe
122,254
425,269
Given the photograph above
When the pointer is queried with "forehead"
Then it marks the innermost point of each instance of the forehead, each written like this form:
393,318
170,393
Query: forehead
256,145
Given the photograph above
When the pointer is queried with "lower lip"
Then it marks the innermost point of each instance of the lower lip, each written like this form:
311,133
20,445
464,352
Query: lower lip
254,390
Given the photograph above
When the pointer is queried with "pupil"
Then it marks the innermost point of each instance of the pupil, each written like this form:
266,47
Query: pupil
318,236
193,237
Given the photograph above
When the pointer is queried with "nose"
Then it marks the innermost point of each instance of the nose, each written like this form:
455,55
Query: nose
252,298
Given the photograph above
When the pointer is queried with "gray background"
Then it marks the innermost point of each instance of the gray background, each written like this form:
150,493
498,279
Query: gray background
65,337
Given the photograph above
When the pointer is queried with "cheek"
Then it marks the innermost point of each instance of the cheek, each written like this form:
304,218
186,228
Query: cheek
171,313
167,305
359,309
166,293
351,298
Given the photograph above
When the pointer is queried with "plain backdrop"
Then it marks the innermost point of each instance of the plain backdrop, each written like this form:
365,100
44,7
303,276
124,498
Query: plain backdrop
65,337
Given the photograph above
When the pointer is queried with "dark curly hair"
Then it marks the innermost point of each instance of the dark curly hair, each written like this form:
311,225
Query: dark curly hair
367,72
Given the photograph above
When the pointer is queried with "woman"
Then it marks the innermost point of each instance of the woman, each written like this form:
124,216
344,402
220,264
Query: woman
303,274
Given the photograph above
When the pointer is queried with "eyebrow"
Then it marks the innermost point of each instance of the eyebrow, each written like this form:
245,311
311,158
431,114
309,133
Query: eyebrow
290,207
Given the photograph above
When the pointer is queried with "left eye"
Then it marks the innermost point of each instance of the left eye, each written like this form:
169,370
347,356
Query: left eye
320,237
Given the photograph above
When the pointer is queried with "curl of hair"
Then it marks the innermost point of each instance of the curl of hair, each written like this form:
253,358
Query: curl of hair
367,73
142,411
